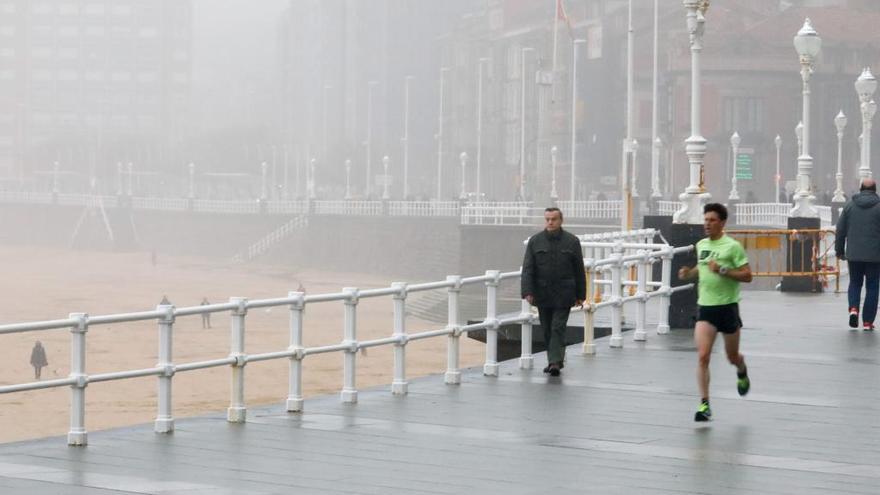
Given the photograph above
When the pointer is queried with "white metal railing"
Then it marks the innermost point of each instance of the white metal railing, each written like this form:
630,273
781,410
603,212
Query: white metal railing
223,206
824,215
616,267
606,209
762,214
166,204
668,207
344,207
424,208
501,215
288,207
25,197
272,238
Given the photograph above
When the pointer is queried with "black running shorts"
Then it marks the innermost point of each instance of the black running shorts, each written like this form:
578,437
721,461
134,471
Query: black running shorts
725,317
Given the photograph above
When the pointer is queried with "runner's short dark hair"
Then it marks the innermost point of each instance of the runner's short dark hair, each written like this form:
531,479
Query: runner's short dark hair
718,208
553,208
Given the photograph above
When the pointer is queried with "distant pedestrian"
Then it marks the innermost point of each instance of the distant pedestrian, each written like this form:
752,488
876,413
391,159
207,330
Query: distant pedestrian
206,317
857,241
153,257
721,265
553,279
38,359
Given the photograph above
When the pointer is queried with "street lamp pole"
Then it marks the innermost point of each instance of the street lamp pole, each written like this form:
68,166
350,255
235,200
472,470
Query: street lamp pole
463,159
522,123
692,199
840,124
799,134
866,84
192,181
807,43
577,44
778,143
406,83
369,142
553,194
311,180
734,146
655,141
347,179
480,124
385,162
443,71
628,165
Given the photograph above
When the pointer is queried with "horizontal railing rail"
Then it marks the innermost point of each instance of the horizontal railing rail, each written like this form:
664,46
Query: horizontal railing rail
625,267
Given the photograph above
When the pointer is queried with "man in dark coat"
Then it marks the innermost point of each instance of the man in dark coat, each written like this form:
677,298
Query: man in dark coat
38,359
858,230
553,279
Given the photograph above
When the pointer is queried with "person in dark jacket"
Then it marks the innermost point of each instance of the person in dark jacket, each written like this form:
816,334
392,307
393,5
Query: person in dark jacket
858,230
38,359
553,280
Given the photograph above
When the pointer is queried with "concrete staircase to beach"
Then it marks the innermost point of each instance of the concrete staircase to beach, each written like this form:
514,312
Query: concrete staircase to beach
272,239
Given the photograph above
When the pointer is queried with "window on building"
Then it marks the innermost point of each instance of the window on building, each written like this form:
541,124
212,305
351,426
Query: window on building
94,75
148,32
95,31
41,75
743,113
95,9
41,8
68,9
121,10
120,76
147,77
68,53
180,55
68,75
180,77
68,31
41,52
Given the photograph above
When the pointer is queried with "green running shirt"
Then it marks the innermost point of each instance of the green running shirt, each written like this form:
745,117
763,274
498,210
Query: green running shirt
715,289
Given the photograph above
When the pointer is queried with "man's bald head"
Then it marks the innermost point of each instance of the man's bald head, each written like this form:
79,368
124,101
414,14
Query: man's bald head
868,184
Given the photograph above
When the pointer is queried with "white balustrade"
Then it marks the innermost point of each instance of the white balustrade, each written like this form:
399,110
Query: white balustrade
762,214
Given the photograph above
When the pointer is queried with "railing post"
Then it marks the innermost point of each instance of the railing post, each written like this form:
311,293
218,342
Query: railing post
399,384
237,412
642,273
526,360
589,347
165,417
453,373
77,434
295,389
490,368
665,280
617,306
349,390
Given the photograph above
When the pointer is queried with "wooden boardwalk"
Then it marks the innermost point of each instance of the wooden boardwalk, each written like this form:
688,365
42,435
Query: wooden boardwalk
617,422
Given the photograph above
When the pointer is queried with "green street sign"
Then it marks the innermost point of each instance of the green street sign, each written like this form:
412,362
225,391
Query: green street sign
744,164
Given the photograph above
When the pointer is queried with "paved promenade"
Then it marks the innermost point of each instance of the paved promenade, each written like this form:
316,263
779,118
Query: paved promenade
617,422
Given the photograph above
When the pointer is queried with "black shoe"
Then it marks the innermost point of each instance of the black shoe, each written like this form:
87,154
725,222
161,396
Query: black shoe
743,385
853,318
704,413
554,370
547,369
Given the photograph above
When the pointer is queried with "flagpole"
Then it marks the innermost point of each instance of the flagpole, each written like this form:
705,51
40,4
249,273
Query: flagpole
555,34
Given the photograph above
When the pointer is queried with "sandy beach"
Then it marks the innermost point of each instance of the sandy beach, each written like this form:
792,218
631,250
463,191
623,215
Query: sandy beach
42,284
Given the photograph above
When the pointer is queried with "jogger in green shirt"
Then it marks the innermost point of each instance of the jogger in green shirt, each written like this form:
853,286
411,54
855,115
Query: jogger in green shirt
722,265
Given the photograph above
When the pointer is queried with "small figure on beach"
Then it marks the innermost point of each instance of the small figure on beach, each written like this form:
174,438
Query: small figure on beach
38,359
206,317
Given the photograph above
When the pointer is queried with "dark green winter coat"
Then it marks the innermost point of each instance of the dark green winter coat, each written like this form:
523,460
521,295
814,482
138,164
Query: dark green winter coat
553,270
858,229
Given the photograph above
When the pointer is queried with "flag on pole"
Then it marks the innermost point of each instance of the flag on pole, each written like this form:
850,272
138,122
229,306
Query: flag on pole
560,16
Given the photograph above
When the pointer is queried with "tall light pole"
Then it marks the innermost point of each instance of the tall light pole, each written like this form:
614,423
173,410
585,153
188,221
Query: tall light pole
480,124
369,142
311,180
347,179
264,186
840,124
799,134
807,43
734,148
866,84
576,45
55,167
323,128
443,71
463,159
778,178
405,138
655,141
522,123
553,154
628,165
385,162
192,180
692,199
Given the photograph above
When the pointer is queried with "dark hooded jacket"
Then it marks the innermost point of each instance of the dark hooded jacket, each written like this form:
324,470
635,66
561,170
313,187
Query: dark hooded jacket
858,228
553,270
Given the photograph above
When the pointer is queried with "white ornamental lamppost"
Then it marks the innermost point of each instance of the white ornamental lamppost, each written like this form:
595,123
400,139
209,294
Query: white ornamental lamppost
385,162
463,159
264,187
312,178
192,181
347,179
405,139
634,149
482,61
369,141
443,71
656,150
629,163
55,167
807,43
734,146
694,195
655,140
866,84
576,45
522,122
119,178
840,124
553,194
778,178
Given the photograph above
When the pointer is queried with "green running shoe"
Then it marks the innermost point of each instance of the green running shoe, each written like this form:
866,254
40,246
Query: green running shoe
704,412
743,385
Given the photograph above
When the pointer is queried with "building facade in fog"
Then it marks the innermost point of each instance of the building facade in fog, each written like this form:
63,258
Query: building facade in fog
90,83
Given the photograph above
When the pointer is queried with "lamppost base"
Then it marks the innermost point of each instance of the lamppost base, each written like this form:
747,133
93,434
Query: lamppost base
691,211
804,207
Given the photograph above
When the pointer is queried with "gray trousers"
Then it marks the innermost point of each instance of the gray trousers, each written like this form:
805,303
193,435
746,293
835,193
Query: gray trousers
553,322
